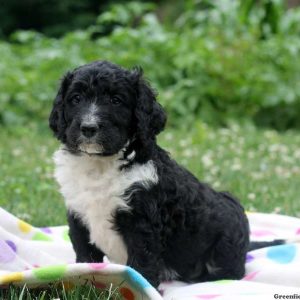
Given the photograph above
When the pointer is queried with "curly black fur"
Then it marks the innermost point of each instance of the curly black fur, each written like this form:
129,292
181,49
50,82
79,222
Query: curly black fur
180,228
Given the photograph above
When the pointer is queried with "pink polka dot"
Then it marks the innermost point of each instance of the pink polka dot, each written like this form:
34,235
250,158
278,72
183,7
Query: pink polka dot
34,266
211,296
298,231
251,275
98,266
260,233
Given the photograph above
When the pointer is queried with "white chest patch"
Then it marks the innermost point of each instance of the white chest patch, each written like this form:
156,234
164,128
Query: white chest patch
93,187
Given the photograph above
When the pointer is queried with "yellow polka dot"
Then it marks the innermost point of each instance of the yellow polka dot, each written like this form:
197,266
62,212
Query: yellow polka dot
24,227
13,277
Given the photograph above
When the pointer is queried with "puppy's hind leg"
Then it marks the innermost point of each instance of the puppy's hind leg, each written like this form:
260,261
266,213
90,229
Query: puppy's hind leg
227,261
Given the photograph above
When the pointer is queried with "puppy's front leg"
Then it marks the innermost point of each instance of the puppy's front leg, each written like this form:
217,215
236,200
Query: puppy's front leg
141,243
80,238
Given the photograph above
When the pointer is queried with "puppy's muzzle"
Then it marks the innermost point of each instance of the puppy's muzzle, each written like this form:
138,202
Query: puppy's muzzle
89,130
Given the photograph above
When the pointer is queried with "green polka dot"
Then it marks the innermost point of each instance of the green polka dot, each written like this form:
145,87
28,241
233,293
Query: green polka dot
50,273
66,236
39,236
223,281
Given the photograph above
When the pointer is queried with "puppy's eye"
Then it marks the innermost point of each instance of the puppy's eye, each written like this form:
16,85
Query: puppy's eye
115,100
76,99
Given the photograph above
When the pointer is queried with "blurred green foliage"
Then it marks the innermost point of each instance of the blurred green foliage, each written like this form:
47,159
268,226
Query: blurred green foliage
217,61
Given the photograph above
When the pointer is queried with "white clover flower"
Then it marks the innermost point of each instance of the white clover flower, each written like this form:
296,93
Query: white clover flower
251,196
183,142
17,152
251,154
279,170
287,159
277,210
24,216
207,160
208,178
236,167
297,153
235,127
214,170
216,184
169,136
38,170
257,175
270,134
263,166
274,148
184,162
224,131
188,153
283,149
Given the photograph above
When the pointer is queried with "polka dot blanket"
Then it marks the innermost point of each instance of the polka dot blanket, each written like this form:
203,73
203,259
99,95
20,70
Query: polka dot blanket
38,256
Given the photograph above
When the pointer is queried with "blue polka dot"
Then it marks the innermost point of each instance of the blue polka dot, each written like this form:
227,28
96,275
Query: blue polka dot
136,279
282,254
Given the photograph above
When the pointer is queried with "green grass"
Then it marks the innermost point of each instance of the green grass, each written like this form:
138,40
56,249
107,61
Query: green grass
261,167
27,188
87,292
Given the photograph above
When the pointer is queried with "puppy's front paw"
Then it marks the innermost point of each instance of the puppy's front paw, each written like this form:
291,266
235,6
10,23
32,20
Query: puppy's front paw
154,282
146,272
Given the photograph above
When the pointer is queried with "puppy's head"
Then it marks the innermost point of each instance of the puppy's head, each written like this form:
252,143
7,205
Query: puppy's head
102,108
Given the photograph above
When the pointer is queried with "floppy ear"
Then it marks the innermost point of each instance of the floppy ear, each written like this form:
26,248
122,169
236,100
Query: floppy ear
149,114
56,120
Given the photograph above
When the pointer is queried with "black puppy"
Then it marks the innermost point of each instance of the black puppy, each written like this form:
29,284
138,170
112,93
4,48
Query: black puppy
126,198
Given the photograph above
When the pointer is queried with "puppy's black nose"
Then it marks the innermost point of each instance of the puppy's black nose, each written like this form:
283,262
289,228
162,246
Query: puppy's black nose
88,130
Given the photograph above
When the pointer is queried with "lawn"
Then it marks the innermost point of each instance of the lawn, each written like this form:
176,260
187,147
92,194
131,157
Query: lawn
58,292
260,167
